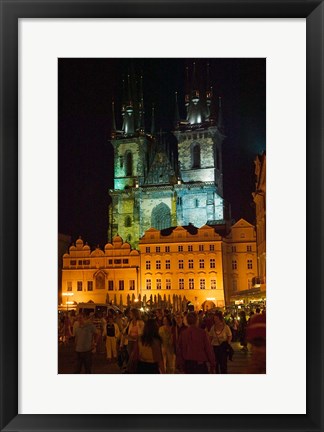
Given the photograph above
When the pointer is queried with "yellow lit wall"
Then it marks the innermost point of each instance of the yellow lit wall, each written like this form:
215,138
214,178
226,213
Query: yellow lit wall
185,264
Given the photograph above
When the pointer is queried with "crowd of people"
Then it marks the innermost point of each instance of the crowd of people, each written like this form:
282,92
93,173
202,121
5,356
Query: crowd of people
166,342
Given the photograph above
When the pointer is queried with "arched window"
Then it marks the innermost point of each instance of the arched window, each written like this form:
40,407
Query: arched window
128,221
161,217
129,164
196,156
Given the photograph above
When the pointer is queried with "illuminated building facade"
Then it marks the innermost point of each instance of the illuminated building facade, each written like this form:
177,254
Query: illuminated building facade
240,263
100,276
197,265
183,261
259,198
165,180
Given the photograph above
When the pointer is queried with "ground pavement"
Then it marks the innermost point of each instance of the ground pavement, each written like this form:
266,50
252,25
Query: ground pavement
66,361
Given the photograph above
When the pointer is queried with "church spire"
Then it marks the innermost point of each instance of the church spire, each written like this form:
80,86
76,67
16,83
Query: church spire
141,125
195,90
220,122
153,121
113,120
128,124
176,112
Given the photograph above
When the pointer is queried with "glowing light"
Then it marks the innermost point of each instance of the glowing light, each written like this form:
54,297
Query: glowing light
210,298
68,294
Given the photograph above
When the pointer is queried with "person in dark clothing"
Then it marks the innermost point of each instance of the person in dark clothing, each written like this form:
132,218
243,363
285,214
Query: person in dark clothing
194,349
242,331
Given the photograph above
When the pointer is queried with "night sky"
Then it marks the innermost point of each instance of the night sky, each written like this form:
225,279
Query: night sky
86,88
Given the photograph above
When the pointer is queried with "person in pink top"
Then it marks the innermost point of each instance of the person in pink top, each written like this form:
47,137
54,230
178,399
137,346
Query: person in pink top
194,349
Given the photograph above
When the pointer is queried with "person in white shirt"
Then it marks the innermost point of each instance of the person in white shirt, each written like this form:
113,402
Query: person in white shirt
220,336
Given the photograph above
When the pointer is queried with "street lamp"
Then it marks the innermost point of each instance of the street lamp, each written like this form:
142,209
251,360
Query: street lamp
68,294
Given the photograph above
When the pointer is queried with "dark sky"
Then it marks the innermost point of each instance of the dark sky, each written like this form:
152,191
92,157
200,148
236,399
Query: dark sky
85,157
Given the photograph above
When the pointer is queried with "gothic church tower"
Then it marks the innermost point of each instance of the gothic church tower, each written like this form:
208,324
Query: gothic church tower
200,138
157,184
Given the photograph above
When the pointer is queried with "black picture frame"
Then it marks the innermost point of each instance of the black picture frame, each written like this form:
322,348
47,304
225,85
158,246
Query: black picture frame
11,11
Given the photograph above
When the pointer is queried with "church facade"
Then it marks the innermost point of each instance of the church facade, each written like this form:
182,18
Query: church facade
164,180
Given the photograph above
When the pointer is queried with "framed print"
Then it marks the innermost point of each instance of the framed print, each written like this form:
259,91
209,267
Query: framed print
38,40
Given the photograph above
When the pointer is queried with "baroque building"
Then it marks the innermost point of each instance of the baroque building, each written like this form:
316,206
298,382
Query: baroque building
183,261
259,198
240,264
161,182
207,266
101,276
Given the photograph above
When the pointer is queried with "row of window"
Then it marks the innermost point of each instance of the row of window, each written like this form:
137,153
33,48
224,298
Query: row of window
249,264
87,262
181,284
212,264
111,285
201,248
248,248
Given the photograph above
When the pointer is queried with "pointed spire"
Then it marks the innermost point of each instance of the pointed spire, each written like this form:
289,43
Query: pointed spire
194,89
176,111
220,122
129,93
209,92
141,125
187,86
153,121
113,120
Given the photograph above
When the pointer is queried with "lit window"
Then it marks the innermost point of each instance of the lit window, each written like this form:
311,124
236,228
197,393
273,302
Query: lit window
148,265
180,264
90,285
158,283
234,265
121,285
180,248
181,283
167,264
191,283
202,284
212,263
158,265
249,264
201,248
110,285
79,286
132,285
69,286
168,284
201,263
191,264
213,284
